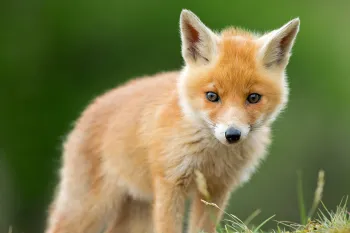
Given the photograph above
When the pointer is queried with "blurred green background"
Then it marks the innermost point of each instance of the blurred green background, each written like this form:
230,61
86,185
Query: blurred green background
55,56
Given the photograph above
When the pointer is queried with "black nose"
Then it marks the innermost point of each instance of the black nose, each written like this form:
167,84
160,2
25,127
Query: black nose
232,135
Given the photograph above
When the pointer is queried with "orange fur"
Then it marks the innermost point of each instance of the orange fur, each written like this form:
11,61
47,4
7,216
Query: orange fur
134,150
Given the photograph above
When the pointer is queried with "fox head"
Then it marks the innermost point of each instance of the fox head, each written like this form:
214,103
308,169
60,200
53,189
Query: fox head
234,82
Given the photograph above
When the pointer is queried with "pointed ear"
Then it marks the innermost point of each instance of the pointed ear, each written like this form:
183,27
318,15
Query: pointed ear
198,42
277,44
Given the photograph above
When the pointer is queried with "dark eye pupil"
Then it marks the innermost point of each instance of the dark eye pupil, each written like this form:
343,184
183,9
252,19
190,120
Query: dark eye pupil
254,98
213,97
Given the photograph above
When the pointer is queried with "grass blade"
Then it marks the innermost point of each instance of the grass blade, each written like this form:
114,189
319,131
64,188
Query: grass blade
263,223
302,210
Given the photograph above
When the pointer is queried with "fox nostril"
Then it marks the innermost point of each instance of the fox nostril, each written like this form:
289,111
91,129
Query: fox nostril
232,135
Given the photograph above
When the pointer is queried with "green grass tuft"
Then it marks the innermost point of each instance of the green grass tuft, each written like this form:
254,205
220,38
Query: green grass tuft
325,222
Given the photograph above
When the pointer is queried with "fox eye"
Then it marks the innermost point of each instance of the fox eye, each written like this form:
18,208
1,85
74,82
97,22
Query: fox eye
212,96
254,98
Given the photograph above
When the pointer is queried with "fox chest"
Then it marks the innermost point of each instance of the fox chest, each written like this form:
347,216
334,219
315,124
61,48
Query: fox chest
219,166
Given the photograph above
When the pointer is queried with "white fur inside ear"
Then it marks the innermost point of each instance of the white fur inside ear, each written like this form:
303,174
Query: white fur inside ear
199,43
277,45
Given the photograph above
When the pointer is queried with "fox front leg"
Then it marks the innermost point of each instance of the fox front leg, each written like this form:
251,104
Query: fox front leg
169,205
203,217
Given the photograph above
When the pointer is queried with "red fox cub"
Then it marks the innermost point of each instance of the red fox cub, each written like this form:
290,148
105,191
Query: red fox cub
129,163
